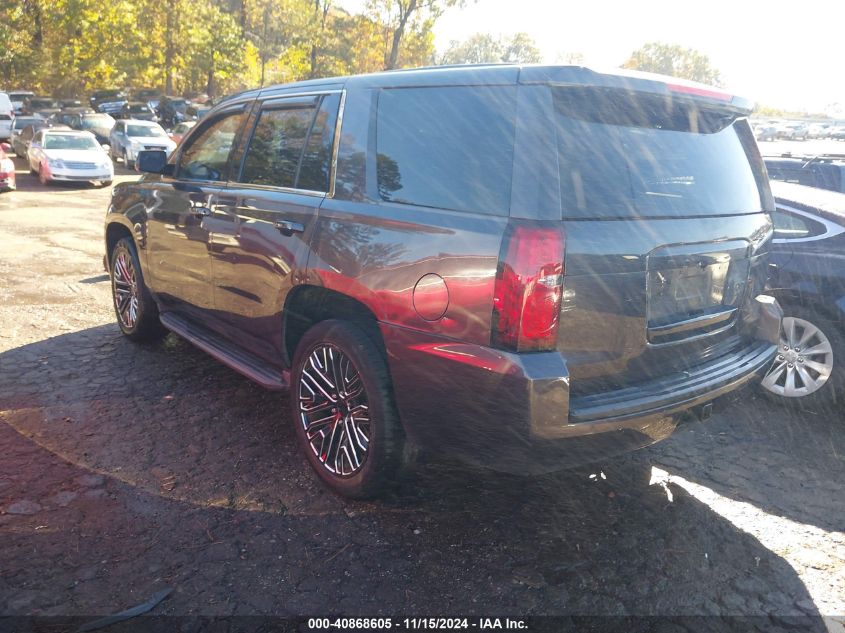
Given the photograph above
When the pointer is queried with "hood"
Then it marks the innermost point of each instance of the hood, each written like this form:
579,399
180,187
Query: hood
152,140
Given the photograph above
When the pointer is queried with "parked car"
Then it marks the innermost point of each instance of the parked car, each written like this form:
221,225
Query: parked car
823,171
171,111
98,123
817,130
43,106
137,110
180,130
765,132
7,115
809,282
527,267
7,169
64,104
68,156
22,139
129,137
66,116
18,97
108,101
18,126
837,133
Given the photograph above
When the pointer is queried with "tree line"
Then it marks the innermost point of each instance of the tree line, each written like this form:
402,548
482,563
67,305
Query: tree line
71,47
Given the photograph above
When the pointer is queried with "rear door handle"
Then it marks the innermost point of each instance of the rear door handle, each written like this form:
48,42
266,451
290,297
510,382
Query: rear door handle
288,228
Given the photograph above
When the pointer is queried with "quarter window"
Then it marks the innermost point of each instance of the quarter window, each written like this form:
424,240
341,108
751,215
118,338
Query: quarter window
449,148
207,155
790,226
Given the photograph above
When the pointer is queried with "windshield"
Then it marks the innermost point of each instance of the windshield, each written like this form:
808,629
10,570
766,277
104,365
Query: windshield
69,141
626,155
41,103
145,130
92,121
139,108
22,121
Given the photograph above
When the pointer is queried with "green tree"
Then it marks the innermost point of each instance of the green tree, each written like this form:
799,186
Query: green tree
676,61
404,17
484,48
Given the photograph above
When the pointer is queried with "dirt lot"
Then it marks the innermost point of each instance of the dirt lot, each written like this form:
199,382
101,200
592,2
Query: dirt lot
128,469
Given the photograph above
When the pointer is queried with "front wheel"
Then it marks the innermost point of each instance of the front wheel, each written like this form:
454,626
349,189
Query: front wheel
43,178
343,410
810,358
137,312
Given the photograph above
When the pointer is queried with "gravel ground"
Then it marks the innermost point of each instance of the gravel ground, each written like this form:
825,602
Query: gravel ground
128,469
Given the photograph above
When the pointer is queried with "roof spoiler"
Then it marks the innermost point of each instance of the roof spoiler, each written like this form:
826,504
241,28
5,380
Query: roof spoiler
634,81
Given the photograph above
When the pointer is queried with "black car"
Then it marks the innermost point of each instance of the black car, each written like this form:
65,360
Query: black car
825,171
809,281
172,110
108,101
527,267
40,105
98,123
138,110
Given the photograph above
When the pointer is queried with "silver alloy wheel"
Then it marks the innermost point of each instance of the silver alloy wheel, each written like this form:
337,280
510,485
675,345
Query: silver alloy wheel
804,361
334,411
125,290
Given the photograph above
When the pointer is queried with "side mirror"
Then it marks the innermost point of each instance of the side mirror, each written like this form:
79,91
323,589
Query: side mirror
151,161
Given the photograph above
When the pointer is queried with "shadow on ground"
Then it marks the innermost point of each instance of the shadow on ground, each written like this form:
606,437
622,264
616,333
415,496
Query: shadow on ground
151,466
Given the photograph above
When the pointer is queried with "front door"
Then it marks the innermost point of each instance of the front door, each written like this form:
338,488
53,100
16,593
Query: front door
179,218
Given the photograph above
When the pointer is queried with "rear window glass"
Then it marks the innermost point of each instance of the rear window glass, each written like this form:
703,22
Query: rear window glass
623,155
449,148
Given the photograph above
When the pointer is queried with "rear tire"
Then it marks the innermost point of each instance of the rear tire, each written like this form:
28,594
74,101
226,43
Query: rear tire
818,377
136,311
343,410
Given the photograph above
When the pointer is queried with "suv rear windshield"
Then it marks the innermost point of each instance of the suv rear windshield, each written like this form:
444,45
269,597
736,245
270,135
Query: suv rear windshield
625,155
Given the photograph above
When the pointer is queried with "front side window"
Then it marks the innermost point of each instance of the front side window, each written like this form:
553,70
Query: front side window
207,155
69,141
447,148
152,131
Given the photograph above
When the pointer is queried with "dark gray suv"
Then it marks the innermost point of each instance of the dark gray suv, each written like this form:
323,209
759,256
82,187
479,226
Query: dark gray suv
527,267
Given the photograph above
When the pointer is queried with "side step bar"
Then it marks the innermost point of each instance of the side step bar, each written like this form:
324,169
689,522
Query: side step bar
241,361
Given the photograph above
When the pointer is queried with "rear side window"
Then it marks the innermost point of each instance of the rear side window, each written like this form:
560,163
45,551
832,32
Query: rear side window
291,146
632,155
447,147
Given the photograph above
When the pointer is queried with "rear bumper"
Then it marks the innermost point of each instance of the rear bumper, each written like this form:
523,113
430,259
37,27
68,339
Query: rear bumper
513,412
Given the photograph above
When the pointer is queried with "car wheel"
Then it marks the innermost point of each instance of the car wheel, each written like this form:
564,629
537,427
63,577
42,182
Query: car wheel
137,312
810,358
42,176
343,410
105,183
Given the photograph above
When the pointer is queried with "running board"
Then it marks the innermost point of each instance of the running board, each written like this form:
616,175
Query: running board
241,361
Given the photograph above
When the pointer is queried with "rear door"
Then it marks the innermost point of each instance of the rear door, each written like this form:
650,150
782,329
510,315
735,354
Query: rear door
178,221
662,199
263,221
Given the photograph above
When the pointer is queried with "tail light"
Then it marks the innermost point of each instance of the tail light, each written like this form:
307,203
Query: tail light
529,284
